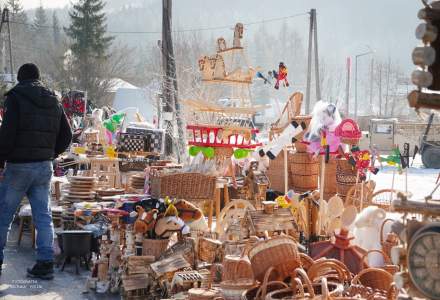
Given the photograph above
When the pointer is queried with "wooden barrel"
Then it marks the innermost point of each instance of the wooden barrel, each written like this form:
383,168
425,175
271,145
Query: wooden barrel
330,178
345,177
300,147
275,172
304,172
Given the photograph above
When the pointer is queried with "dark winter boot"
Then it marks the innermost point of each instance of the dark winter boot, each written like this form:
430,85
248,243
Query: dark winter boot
41,270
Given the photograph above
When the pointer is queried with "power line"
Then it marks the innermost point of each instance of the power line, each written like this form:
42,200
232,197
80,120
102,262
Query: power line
179,30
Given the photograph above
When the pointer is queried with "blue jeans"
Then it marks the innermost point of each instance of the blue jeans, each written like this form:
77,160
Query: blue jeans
31,180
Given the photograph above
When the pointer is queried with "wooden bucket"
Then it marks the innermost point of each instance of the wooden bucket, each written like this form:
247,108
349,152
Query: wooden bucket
300,147
275,173
304,172
330,178
345,177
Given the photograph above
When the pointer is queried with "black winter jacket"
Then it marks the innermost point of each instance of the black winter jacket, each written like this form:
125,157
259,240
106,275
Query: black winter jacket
34,126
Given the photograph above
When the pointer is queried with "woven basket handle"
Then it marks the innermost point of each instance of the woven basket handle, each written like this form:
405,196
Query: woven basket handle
297,285
301,273
242,255
393,292
381,228
386,258
263,287
259,291
325,293
313,272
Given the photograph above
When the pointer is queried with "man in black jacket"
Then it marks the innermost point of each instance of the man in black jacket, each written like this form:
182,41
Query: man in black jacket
34,131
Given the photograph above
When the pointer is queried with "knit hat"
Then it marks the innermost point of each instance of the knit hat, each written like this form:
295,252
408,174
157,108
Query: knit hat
28,71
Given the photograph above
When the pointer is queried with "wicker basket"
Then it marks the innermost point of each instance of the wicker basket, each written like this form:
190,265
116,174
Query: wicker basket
255,292
343,166
304,172
154,248
330,269
390,241
345,177
388,265
233,289
374,278
350,141
279,252
300,147
298,278
193,186
237,267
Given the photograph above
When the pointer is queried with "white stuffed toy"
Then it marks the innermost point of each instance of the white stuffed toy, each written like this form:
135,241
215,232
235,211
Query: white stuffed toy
367,232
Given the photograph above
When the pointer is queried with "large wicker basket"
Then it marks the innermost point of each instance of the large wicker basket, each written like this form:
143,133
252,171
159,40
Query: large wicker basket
192,186
279,252
345,177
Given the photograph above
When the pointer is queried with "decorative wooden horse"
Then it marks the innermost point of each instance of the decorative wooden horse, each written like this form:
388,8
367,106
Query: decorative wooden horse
166,226
187,211
146,221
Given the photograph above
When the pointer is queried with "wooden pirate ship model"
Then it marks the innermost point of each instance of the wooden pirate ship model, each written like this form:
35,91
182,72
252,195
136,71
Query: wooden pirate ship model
222,117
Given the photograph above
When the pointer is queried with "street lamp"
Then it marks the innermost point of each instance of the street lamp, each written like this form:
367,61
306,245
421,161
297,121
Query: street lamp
370,51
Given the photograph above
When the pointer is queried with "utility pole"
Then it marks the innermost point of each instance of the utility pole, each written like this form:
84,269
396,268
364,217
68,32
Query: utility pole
313,39
315,34
356,81
309,64
347,88
169,85
371,83
388,86
5,19
380,90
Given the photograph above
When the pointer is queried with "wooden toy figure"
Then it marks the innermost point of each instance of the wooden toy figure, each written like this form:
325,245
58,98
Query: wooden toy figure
282,75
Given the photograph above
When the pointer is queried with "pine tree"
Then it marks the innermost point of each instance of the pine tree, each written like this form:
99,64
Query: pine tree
89,43
16,10
40,21
56,30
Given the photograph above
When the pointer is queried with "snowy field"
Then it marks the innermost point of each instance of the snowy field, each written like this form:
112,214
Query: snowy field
421,181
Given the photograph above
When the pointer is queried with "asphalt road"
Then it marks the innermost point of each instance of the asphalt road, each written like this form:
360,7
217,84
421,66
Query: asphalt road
14,284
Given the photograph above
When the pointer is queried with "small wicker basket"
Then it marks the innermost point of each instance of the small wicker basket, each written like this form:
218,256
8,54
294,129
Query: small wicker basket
388,265
279,252
390,241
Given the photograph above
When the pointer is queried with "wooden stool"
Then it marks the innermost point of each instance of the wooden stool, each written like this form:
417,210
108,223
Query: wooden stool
27,219
107,168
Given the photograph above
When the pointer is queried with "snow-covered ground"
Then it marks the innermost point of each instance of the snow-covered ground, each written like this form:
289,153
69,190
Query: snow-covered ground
421,181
